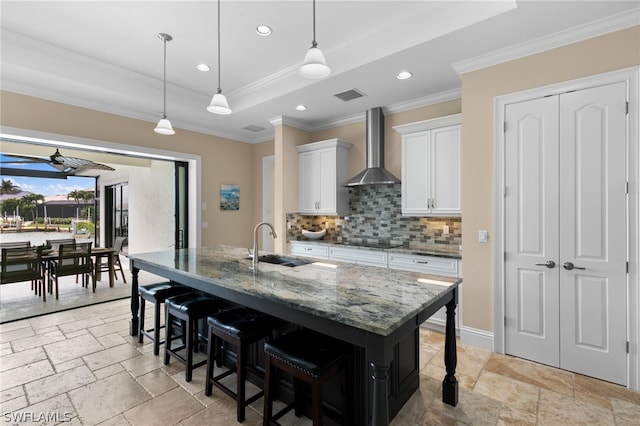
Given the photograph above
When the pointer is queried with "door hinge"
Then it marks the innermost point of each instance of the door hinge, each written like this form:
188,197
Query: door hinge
627,346
504,127
626,188
505,321
627,108
627,267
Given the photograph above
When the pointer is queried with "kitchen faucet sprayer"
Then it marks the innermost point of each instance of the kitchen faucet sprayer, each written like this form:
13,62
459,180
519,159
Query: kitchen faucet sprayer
254,255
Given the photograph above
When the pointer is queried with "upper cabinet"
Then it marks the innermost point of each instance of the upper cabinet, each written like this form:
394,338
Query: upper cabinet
323,168
431,167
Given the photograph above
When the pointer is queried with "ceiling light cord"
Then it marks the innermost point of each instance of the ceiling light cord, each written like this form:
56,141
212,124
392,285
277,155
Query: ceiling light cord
164,78
219,104
314,43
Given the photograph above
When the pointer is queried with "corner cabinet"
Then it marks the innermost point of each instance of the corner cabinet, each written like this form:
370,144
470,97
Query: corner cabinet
323,168
431,167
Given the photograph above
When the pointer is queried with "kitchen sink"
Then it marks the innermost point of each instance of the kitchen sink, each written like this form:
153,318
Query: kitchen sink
282,260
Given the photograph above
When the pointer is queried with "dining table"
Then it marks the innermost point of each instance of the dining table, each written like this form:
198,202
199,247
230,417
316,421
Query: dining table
377,310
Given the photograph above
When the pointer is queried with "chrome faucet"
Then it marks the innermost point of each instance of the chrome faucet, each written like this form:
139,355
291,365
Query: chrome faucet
254,256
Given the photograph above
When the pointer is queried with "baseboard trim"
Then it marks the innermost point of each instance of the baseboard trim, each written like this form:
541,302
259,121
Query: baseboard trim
475,337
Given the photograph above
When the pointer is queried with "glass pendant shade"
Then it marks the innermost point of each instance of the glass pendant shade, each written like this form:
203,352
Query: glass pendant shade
219,104
164,127
314,65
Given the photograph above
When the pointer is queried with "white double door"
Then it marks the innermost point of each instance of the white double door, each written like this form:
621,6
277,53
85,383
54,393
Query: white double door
566,231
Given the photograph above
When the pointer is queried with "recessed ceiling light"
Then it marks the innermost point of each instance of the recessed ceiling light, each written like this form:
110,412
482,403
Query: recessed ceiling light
300,107
263,30
203,67
403,75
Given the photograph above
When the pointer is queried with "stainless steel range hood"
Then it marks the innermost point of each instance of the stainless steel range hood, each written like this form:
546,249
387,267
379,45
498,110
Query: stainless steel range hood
375,173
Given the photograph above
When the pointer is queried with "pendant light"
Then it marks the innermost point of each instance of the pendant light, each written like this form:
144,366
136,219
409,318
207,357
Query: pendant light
219,104
164,125
314,65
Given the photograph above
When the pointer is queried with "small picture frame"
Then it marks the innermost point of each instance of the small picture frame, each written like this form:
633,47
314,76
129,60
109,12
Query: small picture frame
229,197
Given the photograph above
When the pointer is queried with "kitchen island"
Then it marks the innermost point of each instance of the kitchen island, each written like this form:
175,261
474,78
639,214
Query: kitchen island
377,311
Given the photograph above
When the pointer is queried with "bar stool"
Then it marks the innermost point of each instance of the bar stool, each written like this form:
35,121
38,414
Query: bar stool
308,357
240,327
156,293
189,308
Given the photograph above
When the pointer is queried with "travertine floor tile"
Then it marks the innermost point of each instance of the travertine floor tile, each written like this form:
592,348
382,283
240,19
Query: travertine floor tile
545,377
111,370
80,324
472,409
118,420
596,391
109,327
520,400
25,374
221,412
143,364
169,408
7,362
559,409
156,382
57,384
58,409
110,356
625,413
116,394
69,349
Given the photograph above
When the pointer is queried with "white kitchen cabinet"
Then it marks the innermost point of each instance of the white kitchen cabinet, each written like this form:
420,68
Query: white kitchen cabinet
431,265
358,256
431,167
323,168
301,248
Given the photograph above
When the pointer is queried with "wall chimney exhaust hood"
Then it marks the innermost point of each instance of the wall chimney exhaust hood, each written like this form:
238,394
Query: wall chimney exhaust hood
375,173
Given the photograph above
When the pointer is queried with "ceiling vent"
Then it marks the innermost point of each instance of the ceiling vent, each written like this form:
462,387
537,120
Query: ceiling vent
253,128
349,95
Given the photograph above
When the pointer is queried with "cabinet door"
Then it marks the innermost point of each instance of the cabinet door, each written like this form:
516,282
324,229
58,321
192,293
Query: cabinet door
326,181
445,170
308,174
415,173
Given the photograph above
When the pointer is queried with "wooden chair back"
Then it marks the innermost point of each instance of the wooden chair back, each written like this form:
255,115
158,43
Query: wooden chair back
74,258
21,264
56,243
15,244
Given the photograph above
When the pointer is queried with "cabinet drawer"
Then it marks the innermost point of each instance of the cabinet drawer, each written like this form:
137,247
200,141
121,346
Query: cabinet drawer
426,264
360,257
309,250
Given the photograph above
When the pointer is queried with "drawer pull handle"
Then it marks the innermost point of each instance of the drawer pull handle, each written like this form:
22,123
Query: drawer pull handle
307,249
420,261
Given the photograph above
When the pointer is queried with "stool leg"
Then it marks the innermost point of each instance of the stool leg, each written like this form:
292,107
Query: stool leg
316,400
211,358
156,328
168,329
345,396
189,347
240,371
268,404
141,316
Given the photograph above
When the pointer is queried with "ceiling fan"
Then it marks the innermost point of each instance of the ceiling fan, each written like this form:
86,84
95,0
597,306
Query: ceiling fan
66,166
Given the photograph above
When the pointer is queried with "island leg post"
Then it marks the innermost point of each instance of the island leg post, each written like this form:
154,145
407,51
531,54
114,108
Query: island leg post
450,383
380,400
135,303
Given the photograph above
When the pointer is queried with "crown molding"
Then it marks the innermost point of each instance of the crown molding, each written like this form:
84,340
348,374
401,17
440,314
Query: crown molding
582,32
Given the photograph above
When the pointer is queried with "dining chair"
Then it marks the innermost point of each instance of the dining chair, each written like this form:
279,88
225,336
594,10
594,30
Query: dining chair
54,244
23,264
73,259
103,265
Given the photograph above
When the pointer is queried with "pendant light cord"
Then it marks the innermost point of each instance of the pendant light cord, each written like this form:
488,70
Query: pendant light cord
219,89
164,109
314,43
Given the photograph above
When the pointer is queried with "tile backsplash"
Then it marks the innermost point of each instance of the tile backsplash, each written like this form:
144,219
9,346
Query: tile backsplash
375,216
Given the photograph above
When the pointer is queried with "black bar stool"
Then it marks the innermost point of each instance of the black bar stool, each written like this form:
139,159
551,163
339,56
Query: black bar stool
240,327
308,357
157,294
189,308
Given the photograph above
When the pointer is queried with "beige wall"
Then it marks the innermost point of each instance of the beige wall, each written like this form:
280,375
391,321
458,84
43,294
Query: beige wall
606,53
223,160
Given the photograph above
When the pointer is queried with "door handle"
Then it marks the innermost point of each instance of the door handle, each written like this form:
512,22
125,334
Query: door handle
569,266
549,264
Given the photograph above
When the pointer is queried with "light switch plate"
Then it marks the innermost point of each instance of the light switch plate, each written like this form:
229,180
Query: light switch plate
483,236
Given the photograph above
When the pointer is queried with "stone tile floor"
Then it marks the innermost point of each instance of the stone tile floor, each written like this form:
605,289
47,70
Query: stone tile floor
81,367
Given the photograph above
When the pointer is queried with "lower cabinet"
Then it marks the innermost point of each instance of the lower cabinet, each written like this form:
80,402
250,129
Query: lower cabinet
303,249
359,256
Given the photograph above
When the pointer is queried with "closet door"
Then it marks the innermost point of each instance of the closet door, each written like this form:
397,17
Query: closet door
566,231
531,230
593,232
